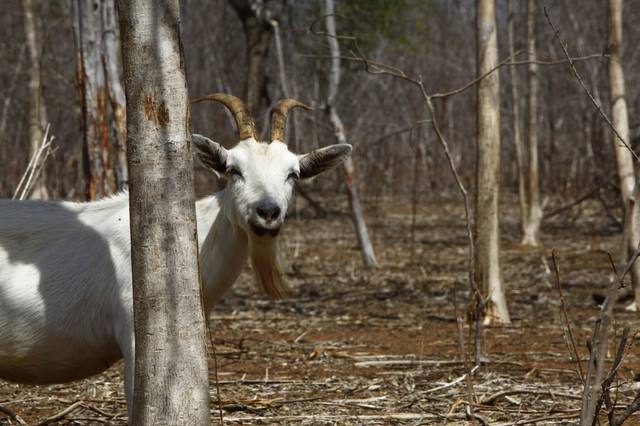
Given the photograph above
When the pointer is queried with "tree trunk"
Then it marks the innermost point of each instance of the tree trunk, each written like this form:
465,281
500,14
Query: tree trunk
488,273
37,110
101,97
368,255
258,31
171,378
517,138
534,212
111,62
624,160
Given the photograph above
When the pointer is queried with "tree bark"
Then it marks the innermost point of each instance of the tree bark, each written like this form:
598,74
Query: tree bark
368,255
171,378
488,273
37,109
115,90
101,96
258,31
534,209
517,138
624,160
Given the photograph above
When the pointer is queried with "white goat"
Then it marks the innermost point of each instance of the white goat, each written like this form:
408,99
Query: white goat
66,309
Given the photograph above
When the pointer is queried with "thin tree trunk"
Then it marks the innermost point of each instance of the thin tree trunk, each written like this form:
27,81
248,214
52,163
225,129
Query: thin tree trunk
258,33
368,255
101,97
624,160
282,75
171,378
115,90
37,110
517,138
488,272
534,212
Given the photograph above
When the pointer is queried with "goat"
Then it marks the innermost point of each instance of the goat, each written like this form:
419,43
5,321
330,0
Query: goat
66,308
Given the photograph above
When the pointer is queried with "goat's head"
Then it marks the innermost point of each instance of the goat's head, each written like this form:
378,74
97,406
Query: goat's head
260,179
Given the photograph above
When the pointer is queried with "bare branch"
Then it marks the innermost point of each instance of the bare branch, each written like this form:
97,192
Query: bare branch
577,76
572,340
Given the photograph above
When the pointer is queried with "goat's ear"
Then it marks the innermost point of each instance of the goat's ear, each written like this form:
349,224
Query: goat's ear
323,159
210,153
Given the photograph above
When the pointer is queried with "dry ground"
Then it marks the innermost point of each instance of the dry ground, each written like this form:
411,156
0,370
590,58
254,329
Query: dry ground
381,347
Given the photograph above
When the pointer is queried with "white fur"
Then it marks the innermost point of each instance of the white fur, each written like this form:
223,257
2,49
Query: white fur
66,309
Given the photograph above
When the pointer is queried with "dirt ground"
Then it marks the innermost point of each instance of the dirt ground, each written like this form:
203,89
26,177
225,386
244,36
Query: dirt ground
382,346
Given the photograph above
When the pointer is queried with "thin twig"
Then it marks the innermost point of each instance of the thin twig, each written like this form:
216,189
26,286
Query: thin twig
467,368
62,414
584,86
387,69
606,384
35,166
475,80
573,203
563,306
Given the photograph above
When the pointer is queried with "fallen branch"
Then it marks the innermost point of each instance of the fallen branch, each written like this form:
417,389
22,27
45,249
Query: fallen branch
11,414
573,203
62,414
452,383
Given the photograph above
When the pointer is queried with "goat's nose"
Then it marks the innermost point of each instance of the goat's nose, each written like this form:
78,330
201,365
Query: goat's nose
268,211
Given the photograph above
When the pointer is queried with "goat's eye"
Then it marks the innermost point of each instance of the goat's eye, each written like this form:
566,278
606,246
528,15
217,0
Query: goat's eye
234,172
292,176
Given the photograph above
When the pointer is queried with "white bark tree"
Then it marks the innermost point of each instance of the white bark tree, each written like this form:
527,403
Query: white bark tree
624,159
517,136
488,273
171,377
533,217
37,109
368,255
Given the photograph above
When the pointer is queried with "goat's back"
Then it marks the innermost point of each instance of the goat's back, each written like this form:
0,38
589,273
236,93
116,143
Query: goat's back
65,288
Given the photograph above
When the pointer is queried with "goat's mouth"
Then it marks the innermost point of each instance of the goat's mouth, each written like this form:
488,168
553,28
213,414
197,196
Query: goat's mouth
262,231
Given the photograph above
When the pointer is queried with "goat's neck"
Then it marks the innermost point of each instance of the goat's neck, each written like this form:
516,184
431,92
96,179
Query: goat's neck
223,248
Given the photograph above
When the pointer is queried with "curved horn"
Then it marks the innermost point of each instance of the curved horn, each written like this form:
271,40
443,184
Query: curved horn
279,115
244,121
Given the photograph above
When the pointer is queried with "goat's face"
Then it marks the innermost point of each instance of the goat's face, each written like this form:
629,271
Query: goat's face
260,178
261,175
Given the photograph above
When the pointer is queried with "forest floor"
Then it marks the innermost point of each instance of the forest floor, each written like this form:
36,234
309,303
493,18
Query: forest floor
354,346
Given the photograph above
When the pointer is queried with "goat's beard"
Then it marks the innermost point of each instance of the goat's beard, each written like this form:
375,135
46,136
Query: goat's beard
264,260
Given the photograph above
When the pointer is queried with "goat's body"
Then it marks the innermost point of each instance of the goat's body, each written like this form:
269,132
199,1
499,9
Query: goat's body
66,309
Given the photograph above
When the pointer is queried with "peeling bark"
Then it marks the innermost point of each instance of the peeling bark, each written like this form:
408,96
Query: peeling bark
101,96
